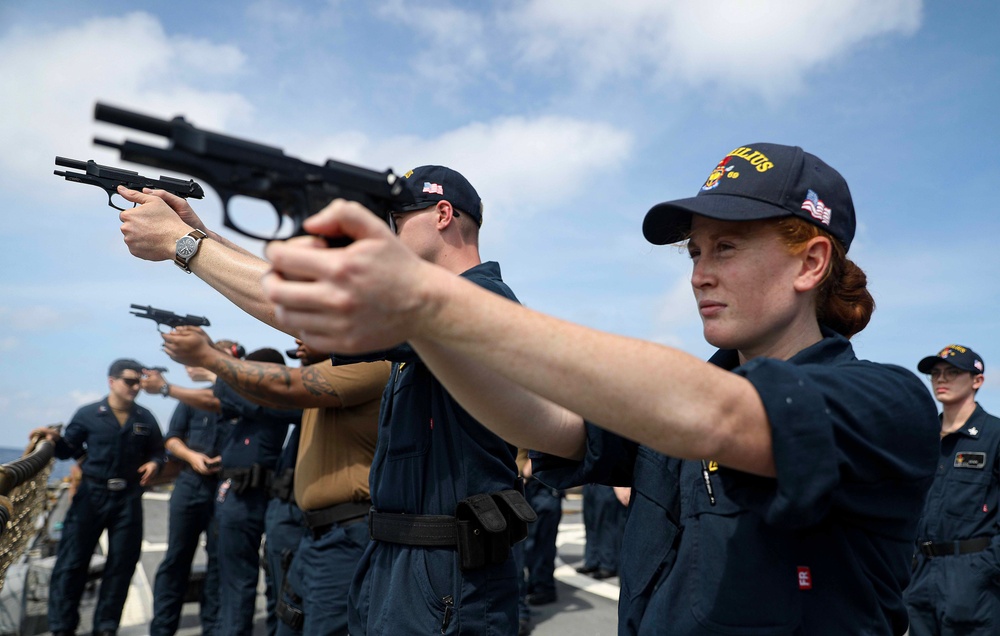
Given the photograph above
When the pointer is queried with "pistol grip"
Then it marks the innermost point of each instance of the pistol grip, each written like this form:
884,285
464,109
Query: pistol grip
339,241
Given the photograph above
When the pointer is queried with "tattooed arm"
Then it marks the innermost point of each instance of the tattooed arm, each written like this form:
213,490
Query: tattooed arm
272,384
264,383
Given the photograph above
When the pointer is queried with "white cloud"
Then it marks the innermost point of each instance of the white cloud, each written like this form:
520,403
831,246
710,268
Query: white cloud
677,305
48,98
79,398
454,43
285,18
518,163
31,318
676,321
763,46
281,16
462,29
30,409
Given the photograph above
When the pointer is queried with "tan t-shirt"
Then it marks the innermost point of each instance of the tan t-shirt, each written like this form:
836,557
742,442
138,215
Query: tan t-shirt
336,445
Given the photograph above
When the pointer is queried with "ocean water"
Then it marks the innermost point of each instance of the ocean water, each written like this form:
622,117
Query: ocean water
59,471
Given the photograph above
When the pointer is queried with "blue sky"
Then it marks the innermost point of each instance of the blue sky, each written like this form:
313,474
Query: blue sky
571,117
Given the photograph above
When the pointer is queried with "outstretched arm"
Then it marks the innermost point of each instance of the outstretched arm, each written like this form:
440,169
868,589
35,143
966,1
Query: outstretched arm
264,383
204,399
519,416
182,208
151,231
656,395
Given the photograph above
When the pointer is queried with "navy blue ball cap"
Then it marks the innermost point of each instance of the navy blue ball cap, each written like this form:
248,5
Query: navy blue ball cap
430,184
761,181
957,356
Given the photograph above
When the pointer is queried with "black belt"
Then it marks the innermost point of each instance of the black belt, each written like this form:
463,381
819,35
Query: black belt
952,548
484,528
116,484
244,479
319,521
427,531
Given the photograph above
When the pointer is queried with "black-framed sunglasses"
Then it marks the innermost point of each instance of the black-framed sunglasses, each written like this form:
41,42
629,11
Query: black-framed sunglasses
392,217
130,382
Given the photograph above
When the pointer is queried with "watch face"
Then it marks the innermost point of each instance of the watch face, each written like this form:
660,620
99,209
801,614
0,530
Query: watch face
186,247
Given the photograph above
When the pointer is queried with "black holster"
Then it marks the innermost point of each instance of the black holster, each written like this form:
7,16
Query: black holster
288,614
291,616
488,525
244,479
281,485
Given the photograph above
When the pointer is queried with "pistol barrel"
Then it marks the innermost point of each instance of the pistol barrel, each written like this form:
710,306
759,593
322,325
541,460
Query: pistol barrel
122,117
71,163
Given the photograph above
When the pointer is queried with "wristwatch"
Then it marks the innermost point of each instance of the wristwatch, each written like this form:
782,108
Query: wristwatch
187,247
165,390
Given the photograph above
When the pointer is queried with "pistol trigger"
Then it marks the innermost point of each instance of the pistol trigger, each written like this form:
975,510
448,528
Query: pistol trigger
111,202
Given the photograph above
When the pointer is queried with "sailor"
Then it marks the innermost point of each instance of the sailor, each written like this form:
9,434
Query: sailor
775,489
250,452
122,447
957,561
330,486
193,438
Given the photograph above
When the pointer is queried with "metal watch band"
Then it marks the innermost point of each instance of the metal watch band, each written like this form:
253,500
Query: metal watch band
197,235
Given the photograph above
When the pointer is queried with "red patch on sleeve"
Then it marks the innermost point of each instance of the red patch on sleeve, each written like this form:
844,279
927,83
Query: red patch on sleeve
805,578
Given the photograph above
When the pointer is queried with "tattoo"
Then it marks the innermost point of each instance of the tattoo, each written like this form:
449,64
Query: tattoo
316,383
257,379
261,380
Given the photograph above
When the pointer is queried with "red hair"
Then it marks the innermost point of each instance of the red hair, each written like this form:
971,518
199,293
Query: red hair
843,303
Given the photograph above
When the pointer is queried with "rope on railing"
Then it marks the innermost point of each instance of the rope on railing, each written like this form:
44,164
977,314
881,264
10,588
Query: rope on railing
23,496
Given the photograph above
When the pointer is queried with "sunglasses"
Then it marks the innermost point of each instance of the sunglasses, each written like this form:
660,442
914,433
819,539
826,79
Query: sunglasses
130,382
392,217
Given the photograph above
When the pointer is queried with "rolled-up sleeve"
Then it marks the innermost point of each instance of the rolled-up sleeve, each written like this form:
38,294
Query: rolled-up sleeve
840,435
609,460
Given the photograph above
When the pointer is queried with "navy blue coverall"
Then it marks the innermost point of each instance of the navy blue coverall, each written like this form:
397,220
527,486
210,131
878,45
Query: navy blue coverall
960,593
540,546
604,523
192,512
823,548
431,455
113,452
284,529
255,435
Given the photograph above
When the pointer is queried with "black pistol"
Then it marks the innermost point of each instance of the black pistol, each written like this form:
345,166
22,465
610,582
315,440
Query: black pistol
239,167
108,179
168,318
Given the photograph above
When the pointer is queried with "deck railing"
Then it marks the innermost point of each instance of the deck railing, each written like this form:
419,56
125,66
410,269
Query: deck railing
23,497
